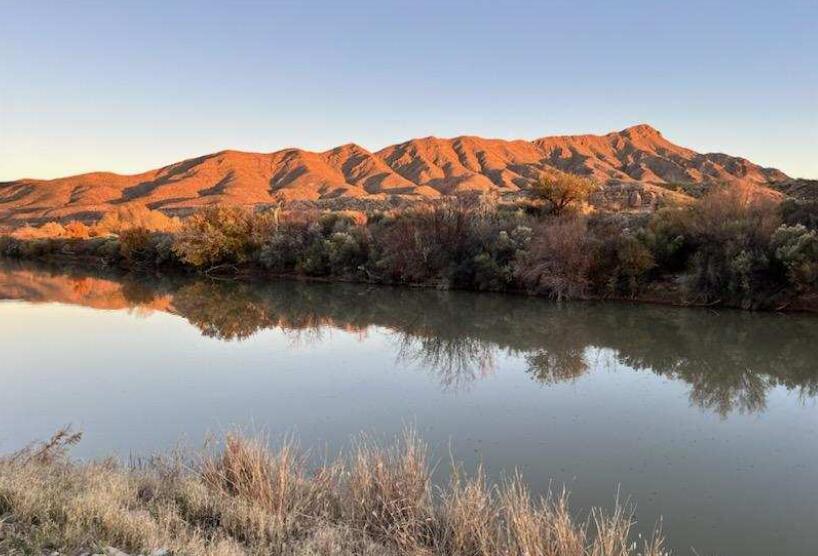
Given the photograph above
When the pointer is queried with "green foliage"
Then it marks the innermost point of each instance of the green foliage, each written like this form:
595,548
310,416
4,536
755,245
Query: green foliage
345,252
281,250
667,235
634,260
731,231
796,211
797,249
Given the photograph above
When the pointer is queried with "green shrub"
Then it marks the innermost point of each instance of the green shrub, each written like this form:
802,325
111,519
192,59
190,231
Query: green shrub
281,251
796,211
667,235
315,259
346,252
797,249
634,260
731,230
10,247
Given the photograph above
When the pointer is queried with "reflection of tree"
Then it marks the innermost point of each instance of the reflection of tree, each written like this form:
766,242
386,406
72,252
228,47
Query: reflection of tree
227,312
550,367
136,293
730,360
457,362
746,392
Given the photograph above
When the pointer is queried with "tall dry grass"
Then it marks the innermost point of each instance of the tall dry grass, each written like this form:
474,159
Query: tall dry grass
248,499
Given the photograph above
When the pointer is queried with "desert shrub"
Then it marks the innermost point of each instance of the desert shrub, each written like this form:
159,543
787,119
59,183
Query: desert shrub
451,243
493,268
316,244
633,260
314,261
46,231
346,252
77,230
281,251
559,259
422,244
732,231
163,245
135,216
52,229
25,232
341,221
105,248
563,192
10,247
667,235
797,249
797,211
141,248
217,235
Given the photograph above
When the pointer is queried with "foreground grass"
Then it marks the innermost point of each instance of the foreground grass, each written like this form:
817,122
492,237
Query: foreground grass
247,499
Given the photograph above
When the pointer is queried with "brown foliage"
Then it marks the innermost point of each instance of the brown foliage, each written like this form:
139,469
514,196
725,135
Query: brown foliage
559,259
135,216
218,235
77,230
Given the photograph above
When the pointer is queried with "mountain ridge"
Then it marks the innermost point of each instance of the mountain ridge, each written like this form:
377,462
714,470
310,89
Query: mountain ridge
638,165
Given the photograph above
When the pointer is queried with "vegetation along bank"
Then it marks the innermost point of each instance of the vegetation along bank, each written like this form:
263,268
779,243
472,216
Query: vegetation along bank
732,247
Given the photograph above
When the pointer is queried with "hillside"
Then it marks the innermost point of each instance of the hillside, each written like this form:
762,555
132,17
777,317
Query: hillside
638,166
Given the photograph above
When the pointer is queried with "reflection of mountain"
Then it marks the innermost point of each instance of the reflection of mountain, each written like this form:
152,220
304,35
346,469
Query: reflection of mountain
730,360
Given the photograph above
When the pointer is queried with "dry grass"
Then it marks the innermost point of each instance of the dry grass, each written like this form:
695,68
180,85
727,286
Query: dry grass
247,499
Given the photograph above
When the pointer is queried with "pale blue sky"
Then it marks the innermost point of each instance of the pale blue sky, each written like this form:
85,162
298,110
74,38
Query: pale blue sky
130,86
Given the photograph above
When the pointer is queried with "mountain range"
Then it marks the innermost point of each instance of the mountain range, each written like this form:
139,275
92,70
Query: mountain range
638,166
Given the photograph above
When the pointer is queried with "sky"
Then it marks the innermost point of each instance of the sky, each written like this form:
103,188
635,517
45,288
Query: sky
130,86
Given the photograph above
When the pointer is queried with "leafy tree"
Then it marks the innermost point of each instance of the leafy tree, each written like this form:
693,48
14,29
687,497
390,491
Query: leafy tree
563,191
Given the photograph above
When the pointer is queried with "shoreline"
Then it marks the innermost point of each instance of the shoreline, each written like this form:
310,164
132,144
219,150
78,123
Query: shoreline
256,275
729,249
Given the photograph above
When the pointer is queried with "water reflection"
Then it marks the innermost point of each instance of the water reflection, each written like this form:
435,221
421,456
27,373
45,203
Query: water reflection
730,360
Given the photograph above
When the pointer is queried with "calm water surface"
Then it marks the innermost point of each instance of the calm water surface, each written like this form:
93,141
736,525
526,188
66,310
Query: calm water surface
707,419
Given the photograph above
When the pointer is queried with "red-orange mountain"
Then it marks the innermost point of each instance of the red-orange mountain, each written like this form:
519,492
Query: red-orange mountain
637,159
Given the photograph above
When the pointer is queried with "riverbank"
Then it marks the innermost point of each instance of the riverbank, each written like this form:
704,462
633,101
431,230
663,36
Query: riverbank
729,249
245,498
